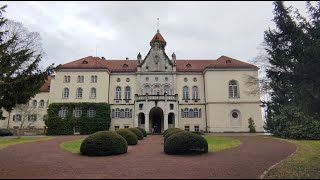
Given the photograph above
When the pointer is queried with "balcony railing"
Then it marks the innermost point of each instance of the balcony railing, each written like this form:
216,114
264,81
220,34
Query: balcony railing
156,97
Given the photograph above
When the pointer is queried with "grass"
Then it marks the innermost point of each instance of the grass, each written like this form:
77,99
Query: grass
216,143
72,146
304,164
5,142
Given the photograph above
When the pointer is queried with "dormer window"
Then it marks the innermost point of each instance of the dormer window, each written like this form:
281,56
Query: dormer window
84,62
125,65
188,65
228,61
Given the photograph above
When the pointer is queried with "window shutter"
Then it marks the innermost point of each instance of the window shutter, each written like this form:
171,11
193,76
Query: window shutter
200,113
112,113
130,113
182,113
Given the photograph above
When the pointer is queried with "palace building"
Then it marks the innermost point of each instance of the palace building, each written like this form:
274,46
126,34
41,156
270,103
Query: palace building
155,92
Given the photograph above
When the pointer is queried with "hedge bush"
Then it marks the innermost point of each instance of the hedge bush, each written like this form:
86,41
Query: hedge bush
172,132
185,143
128,135
137,132
144,132
169,130
88,125
104,143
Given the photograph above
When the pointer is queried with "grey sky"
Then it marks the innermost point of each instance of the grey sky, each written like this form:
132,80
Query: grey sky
193,30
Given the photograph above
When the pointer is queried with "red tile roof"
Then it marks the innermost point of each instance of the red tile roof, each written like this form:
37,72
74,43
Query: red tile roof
131,65
158,37
46,86
228,62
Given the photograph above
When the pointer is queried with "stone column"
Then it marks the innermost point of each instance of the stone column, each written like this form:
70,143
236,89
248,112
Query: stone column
165,123
146,122
136,121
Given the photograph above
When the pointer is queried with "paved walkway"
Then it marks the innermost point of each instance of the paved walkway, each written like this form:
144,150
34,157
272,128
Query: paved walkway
45,159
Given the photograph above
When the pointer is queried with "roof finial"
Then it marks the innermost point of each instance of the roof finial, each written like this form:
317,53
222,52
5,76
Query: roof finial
158,25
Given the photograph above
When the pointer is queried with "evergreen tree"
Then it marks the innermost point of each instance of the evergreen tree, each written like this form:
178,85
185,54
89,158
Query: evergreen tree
21,77
294,54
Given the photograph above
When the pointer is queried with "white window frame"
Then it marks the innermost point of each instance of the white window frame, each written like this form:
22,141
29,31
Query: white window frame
195,93
34,103
117,115
77,112
185,92
196,113
197,128
41,103
127,113
186,113
127,93
91,112
118,92
233,89
79,93
93,93
65,93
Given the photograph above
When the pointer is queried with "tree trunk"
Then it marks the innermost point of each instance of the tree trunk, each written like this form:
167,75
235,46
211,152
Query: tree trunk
9,119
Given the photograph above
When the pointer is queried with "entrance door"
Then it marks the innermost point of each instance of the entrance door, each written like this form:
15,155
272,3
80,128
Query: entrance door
156,120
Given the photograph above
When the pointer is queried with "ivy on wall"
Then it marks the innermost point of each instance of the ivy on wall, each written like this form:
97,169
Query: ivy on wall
88,125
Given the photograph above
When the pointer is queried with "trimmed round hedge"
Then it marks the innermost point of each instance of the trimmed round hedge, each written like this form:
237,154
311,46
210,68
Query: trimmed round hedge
169,130
128,135
185,143
103,143
172,133
137,132
144,132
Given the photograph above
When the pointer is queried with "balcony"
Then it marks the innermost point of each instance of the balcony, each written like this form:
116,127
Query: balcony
156,97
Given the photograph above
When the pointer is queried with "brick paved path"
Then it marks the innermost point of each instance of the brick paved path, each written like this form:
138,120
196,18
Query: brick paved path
45,159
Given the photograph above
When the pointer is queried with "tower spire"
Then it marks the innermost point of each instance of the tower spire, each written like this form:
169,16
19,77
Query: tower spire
158,25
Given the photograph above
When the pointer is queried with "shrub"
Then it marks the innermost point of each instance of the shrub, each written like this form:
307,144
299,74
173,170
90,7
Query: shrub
129,136
185,143
172,132
252,126
169,130
103,143
199,133
137,132
88,125
144,132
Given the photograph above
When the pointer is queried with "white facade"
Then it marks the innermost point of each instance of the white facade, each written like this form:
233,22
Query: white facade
157,92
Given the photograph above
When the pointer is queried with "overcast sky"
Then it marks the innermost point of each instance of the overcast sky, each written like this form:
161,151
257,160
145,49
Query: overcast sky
193,30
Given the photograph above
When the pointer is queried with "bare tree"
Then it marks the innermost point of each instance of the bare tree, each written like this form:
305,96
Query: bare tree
29,115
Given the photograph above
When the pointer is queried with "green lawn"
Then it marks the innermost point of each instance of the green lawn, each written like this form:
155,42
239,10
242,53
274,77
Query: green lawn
72,146
217,143
304,164
4,142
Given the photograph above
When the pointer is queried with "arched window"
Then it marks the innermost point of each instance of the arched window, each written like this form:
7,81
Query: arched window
79,93
185,92
166,89
191,115
34,103
77,112
122,113
147,90
127,113
196,112
117,113
42,103
93,93
156,90
118,92
127,93
233,89
65,93
195,92
92,112
186,112
235,118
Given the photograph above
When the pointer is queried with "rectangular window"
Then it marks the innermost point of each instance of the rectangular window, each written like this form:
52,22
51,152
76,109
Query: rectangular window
94,79
186,128
116,127
77,130
196,128
171,106
32,117
140,106
126,126
80,79
66,79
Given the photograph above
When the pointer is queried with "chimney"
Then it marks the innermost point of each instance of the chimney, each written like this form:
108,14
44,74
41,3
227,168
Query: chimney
127,58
